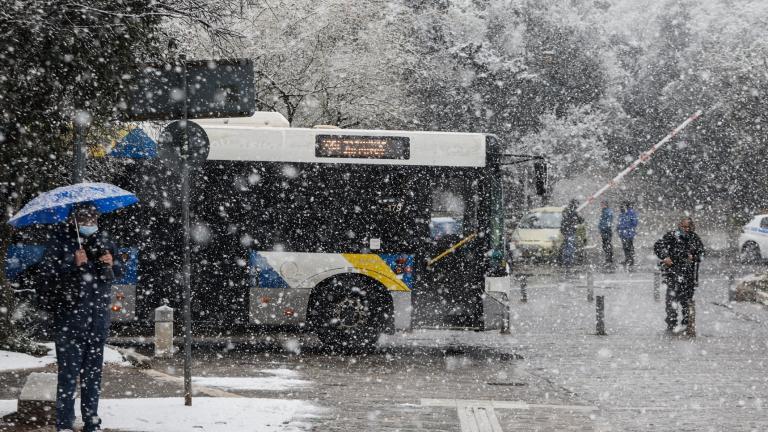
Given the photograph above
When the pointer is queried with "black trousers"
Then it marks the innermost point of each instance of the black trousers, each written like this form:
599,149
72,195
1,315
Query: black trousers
607,238
628,244
78,356
680,290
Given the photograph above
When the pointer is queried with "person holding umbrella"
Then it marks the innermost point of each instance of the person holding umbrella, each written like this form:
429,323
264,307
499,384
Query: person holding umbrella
77,271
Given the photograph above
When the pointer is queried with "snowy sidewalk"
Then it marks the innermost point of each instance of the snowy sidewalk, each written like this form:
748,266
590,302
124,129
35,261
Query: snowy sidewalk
640,378
637,377
134,400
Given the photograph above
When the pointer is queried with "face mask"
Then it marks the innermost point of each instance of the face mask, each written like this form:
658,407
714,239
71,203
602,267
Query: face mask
87,230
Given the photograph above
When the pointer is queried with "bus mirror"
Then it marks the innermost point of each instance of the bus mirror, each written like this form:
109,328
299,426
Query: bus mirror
540,177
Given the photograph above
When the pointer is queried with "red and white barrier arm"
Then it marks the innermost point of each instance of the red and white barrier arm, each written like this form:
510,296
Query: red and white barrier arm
644,157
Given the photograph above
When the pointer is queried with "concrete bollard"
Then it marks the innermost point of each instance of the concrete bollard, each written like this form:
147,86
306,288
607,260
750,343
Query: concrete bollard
524,288
506,321
657,285
164,331
691,328
590,287
600,309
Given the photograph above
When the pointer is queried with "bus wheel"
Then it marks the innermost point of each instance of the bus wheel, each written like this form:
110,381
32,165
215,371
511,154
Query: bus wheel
349,313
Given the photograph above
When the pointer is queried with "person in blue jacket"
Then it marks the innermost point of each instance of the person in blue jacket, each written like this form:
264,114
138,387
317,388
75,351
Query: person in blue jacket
605,227
627,229
78,270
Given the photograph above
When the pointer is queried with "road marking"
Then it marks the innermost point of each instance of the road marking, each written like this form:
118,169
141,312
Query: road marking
160,376
478,419
480,415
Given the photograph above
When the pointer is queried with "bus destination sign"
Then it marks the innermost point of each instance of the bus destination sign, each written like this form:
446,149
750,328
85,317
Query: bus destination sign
362,147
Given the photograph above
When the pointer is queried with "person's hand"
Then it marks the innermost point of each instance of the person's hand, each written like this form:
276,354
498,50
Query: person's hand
80,257
691,258
106,259
667,261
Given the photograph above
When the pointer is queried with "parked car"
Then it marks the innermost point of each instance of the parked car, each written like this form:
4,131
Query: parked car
537,236
753,241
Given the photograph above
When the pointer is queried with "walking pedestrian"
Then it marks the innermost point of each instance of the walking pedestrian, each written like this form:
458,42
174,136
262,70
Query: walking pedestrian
568,226
627,229
605,227
79,267
680,252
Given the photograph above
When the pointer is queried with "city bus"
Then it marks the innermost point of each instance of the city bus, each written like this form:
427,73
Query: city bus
340,232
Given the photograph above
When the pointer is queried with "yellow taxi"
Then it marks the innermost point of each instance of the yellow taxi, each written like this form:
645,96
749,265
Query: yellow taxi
537,236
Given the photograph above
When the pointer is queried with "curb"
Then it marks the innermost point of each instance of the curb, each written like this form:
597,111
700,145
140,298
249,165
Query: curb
137,360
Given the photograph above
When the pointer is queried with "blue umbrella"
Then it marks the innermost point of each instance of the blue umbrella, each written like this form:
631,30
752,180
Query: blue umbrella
55,206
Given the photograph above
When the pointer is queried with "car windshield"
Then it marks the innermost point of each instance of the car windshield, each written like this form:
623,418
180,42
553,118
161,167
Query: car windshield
541,220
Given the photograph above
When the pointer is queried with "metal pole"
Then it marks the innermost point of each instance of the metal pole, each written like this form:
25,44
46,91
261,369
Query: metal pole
731,291
523,288
691,329
79,150
600,309
186,269
657,285
590,286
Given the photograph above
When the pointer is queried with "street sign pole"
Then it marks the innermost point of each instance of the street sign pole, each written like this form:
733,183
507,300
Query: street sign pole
186,270
79,149
222,88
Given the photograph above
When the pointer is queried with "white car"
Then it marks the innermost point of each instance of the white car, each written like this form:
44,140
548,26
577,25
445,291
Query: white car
753,241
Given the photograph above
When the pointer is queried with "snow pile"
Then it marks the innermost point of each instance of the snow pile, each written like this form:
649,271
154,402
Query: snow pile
10,360
205,414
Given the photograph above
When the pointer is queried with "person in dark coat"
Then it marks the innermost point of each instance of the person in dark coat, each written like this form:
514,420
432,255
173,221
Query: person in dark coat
605,227
568,226
78,269
627,229
680,252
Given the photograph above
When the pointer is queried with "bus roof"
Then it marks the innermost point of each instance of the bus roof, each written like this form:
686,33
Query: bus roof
284,144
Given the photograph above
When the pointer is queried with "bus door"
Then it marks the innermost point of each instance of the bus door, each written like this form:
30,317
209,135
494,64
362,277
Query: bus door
450,284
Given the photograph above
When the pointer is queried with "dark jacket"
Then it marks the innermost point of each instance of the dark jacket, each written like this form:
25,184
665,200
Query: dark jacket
627,227
680,247
571,220
78,297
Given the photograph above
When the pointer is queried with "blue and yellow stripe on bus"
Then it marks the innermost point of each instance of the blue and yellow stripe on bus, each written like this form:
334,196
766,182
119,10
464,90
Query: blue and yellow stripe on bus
303,270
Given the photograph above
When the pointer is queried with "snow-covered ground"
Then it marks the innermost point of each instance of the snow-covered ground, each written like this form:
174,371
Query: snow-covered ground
281,379
10,360
205,414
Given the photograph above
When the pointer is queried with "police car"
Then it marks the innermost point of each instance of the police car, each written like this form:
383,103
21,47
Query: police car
753,241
